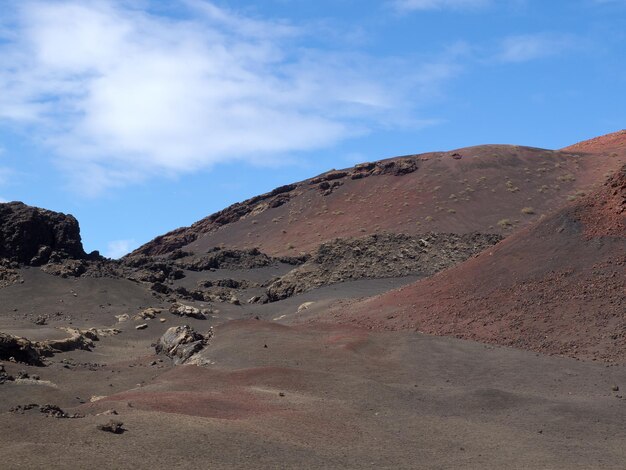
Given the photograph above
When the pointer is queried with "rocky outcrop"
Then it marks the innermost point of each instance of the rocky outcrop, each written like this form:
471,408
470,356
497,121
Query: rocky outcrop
33,352
182,343
33,236
19,350
219,258
379,256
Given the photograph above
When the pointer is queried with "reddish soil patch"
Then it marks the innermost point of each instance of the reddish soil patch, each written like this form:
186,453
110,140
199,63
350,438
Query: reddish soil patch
615,141
210,404
558,287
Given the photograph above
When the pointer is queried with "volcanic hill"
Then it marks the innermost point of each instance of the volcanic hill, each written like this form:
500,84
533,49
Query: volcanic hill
491,188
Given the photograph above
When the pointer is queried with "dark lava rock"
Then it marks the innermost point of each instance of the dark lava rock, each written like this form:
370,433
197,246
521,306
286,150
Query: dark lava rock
218,258
21,349
379,256
8,274
181,343
51,411
113,426
31,236
4,375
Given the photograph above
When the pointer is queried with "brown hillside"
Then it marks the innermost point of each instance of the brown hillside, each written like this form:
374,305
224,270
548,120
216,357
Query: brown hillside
492,188
558,287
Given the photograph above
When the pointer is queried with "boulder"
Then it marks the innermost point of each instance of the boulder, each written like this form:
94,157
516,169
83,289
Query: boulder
181,343
113,426
149,313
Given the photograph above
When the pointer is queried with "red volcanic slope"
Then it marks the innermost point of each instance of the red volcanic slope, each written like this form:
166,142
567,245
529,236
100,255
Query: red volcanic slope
557,287
471,189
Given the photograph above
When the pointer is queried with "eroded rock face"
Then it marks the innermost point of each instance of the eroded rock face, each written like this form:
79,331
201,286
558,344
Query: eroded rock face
182,343
33,352
20,349
379,256
219,258
33,236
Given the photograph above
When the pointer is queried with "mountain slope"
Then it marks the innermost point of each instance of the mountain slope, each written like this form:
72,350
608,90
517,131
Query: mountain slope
558,286
492,188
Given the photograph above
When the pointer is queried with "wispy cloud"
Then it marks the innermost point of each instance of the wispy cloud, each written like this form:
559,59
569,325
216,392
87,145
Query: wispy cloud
523,48
118,248
415,5
122,94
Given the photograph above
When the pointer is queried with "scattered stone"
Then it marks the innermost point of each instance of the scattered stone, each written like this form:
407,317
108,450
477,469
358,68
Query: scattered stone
113,426
615,388
143,326
187,311
305,306
181,343
40,320
281,394
122,318
4,375
20,409
253,300
50,411
53,411
150,313
8,275
162,320
108,413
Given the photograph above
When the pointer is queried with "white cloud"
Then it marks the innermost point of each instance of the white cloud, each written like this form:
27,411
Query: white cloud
523,48
118,248
122,94
414,5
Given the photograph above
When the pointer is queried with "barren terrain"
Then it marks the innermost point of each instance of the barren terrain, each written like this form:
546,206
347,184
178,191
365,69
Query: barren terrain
461,309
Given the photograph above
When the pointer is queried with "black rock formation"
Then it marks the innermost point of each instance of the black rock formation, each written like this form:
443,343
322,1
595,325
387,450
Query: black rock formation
33,236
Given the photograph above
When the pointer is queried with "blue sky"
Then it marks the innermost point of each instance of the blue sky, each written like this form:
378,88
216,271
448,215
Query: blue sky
142,116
